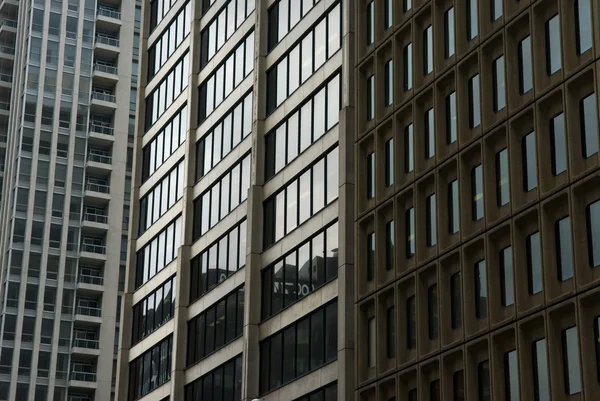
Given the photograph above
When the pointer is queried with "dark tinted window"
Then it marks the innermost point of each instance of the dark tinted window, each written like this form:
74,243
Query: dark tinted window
483,381
449,32
389,162
455,300
541,384
390,343
371,98
451,118
553,53
431,221
480,290
558,145
477,192
432,312
529,162
525,66
589,125
593,233
371,175
474,101
507,291
389,245
534,263
453,208
222,383
429,128
502,179
498,81
583,25
570,344
411,323
564,253
511,376
370,256
410,232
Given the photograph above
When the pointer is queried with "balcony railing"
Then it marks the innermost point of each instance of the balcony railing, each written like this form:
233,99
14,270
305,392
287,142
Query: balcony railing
109,12
10,23
103,188
6,78
102,129
95,218
107,41
83,343
83,376
109,69
88,311
104,97
7,49
101,249
99,157
79,398
88,279
4,106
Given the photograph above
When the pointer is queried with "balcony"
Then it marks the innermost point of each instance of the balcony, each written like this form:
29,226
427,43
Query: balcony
103,102
94,223
82,379
9,7
91,280
8,26
7,52
97,190
92,250
98,162
4,108
6,80
108,18
105,74
106,46
88,315
101,134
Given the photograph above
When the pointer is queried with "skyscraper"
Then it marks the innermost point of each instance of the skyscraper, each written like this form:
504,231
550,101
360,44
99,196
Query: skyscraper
240,277
69,69
477,200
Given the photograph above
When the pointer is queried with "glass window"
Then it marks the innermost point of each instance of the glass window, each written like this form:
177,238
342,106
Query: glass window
407,67
564,253
389,83
477,192
506,277
583,25
389,162
498,78
410,232
429,129
458,385
455,301
406,5
483,381
474,102
511,375
370,30
480,290
453,208
541,384
432,312
371,340
525,66
431,221
553,52
534,263
370,256
409,161
589,125
558,146
411,323
390,343
596,344
334,31
451,118
593,233
370,98
572,372
529,162
388,14
496,9
389,245
502,180
472,24
428,50
371,175
449,32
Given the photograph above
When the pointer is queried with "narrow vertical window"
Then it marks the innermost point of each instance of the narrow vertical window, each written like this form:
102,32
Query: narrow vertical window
391,333
480,290
592,214
389,83
529,162
389,245
541,385
502,188
451,118
371,175
449,32
432,312
428,50
455,301
410,232
583,25
458,384
431,221
434,390
589,125
564,252
477,192
507,291
409,160
407,67
572,372
389,162
474,102
597,344
472,24
406,5
534,263
553,53
558,144
370,98
453,208
483,381
388,14
370,23
411,323
370,256
496,9
371,340
498,87
525,66
511,376
429,129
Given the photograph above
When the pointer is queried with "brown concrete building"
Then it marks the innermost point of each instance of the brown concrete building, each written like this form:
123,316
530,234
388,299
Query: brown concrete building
477,200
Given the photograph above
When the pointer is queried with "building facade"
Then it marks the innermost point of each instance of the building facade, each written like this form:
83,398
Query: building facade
477,215
240,276
69,78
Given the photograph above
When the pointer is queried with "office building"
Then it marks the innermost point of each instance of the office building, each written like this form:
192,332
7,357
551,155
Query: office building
240,275
477,215
67,115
